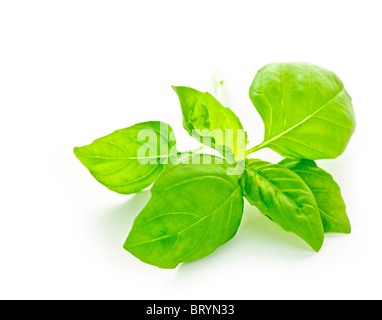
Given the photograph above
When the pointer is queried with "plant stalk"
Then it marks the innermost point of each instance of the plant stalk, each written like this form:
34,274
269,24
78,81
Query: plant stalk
195,150
254,149
219,87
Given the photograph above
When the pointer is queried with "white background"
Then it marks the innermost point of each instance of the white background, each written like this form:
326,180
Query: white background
73,71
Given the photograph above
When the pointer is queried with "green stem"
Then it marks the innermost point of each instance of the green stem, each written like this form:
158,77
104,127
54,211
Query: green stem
254,149
195,150
220,95
219,87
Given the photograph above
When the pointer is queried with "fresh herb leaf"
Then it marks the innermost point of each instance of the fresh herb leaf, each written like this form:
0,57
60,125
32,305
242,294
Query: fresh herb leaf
197,200
194,209
129,160
283,196
306,110
209,122
327,193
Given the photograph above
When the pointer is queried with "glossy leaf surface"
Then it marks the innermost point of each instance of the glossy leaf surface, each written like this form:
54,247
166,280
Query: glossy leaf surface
194,209
306,110
283,196
129,160
327,193
207,120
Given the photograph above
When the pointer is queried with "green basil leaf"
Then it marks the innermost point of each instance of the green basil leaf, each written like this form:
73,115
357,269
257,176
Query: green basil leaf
306,110
129,160
327,192
207,120
194,209
283,196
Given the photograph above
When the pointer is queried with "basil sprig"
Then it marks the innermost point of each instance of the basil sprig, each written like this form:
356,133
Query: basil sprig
196,202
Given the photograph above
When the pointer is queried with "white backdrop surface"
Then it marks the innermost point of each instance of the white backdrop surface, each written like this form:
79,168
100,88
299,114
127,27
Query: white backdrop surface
73,71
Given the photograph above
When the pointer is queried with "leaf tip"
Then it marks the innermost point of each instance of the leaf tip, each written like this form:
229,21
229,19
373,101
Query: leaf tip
76,151
158,264
317,246
79,152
